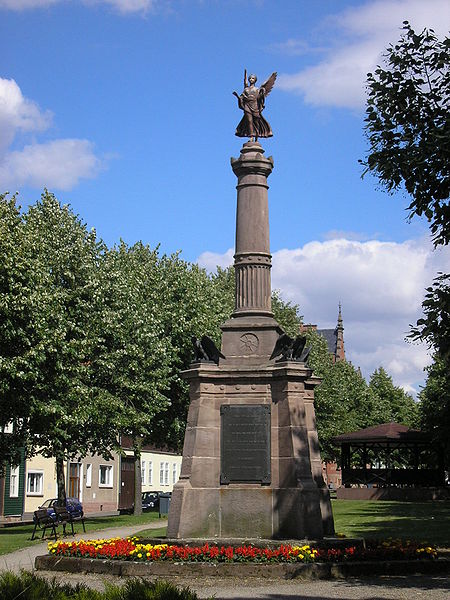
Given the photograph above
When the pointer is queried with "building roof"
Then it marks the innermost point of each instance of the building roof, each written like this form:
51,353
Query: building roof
386,432
330,336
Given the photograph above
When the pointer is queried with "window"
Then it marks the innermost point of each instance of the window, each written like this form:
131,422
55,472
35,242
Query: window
14,482
143,473
88,475
161,473
150,472
174,472
35,481
105,476
166,473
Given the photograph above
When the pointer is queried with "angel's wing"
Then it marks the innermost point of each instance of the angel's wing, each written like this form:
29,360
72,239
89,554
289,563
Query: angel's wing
268,85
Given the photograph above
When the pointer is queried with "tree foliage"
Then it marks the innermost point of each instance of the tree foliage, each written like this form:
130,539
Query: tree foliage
408,128
435,405
400,407
408,125
434,327
344,401
68,416
18,369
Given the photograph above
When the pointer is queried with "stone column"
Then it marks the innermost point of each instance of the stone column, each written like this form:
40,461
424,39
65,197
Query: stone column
250,334
252,260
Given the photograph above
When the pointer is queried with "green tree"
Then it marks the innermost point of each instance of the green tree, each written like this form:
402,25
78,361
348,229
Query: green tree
408,129
408,125
400,407
17,331
67,416
434,327
343,401
435,405
286,314
134,359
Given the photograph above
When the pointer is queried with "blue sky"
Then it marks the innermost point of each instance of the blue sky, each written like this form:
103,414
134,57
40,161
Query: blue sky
123,109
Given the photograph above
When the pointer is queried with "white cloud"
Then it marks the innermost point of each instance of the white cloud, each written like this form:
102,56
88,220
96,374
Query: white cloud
359,37
126,6
381,286
24,4
18,113
57,164
122,6
211,260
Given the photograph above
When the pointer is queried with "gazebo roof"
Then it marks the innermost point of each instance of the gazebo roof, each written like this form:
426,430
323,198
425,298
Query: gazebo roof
386,432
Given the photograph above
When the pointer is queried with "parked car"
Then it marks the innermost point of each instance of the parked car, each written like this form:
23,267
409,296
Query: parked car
73,505
150,500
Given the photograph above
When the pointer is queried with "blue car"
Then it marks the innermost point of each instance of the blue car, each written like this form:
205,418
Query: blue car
73,505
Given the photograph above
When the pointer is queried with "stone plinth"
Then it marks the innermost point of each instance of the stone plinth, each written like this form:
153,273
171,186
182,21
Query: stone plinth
295,503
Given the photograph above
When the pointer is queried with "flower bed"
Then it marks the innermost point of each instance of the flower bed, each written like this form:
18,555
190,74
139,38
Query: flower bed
132,550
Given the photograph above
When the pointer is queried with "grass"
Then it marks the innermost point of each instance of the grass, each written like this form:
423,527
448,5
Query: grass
419,521
14,538
152,533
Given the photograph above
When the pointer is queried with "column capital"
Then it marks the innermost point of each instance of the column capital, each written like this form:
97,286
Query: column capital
252,161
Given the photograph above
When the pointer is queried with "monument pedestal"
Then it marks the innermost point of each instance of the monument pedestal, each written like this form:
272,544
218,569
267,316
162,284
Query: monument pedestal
293,503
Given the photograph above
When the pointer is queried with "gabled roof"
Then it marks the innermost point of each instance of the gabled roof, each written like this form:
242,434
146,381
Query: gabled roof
386,432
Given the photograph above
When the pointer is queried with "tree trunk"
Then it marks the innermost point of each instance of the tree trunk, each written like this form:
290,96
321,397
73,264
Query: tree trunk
61,481
137,477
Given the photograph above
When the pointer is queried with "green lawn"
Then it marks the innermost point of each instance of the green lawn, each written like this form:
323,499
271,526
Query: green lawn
152,533
425,521
14,538
421,521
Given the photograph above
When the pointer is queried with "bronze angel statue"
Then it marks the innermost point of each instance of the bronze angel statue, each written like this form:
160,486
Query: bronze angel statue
253,125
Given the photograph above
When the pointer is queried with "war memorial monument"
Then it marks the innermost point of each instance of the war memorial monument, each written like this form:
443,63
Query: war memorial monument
251,465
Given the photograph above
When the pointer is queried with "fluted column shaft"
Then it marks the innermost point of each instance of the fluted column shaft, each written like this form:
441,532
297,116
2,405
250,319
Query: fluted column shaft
252,260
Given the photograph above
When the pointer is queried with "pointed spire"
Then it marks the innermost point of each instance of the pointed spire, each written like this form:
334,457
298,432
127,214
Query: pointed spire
340,352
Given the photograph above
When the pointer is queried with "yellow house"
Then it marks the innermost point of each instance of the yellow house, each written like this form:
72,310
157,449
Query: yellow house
93,480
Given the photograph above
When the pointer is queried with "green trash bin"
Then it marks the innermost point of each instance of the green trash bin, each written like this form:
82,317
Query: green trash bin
164,503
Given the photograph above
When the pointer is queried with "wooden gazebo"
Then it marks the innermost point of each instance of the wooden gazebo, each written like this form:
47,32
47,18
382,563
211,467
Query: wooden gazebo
389,455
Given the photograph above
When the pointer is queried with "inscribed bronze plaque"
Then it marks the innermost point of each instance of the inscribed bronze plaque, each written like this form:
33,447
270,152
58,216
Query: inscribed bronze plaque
245,443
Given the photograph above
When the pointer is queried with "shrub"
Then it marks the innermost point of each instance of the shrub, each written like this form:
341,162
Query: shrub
29,586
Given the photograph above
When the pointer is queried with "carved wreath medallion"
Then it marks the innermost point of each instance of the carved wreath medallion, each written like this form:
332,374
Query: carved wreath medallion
249,343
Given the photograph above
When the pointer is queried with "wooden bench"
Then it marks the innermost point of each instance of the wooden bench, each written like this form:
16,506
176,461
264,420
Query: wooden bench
65,517
44,521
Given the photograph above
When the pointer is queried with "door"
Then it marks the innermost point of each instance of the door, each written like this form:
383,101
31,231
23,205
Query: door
74,480
126,490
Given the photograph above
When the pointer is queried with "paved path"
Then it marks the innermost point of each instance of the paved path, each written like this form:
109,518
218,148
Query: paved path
24,559
381,588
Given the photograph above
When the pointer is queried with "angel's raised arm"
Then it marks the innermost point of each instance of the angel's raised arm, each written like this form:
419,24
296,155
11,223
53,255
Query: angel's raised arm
245,79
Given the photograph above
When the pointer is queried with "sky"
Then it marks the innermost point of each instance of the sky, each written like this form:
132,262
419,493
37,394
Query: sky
124,110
